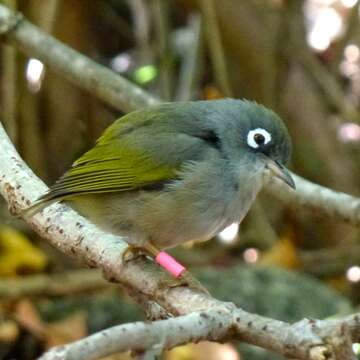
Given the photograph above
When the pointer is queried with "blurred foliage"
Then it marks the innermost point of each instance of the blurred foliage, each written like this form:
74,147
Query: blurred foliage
44,322
274,292
189,49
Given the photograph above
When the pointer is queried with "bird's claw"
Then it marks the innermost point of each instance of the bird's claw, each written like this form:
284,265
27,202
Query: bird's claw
132,252
185,279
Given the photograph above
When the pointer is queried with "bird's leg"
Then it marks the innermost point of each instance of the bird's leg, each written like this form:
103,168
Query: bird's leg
181,276
165,260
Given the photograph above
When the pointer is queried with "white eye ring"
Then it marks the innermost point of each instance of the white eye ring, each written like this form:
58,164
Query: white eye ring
251,137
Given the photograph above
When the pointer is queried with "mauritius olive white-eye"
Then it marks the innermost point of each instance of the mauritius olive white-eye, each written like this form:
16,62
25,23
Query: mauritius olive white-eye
176,172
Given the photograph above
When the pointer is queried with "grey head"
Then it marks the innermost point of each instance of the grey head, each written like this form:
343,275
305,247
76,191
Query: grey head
240,129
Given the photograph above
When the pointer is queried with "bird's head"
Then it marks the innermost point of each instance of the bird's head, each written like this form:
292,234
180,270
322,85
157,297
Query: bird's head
254,133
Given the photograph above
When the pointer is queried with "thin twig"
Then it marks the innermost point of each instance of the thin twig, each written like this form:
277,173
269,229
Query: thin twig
69,282
141,23
8,84
166,76
215,45
190,64
32,143
48,15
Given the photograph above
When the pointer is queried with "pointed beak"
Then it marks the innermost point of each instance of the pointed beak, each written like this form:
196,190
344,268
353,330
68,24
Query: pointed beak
281,172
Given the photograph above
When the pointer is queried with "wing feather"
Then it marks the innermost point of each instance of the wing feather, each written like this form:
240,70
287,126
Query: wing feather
118,169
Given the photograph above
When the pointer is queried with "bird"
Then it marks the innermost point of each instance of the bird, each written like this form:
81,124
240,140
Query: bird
176,172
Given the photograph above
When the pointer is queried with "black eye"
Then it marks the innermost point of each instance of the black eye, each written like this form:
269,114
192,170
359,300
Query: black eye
259,139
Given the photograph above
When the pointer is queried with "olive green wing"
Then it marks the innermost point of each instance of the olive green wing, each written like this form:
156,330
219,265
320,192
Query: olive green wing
103,169
110,168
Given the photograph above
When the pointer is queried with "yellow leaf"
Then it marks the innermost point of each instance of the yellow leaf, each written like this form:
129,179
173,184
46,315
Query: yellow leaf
185,352
18,253
204,350
282,254
9,331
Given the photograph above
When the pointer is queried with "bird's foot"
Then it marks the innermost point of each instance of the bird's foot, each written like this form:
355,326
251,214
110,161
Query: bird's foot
180,276
185,279
132,252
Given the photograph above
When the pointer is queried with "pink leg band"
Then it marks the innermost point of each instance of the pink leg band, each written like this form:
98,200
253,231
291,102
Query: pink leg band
169,264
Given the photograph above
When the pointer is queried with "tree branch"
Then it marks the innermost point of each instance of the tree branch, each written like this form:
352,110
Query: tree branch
69,282
324,201
307,339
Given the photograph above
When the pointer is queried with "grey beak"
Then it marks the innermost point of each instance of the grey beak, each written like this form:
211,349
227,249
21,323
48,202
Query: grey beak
281,172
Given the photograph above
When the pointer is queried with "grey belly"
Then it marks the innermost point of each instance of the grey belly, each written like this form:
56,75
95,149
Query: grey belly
192,209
